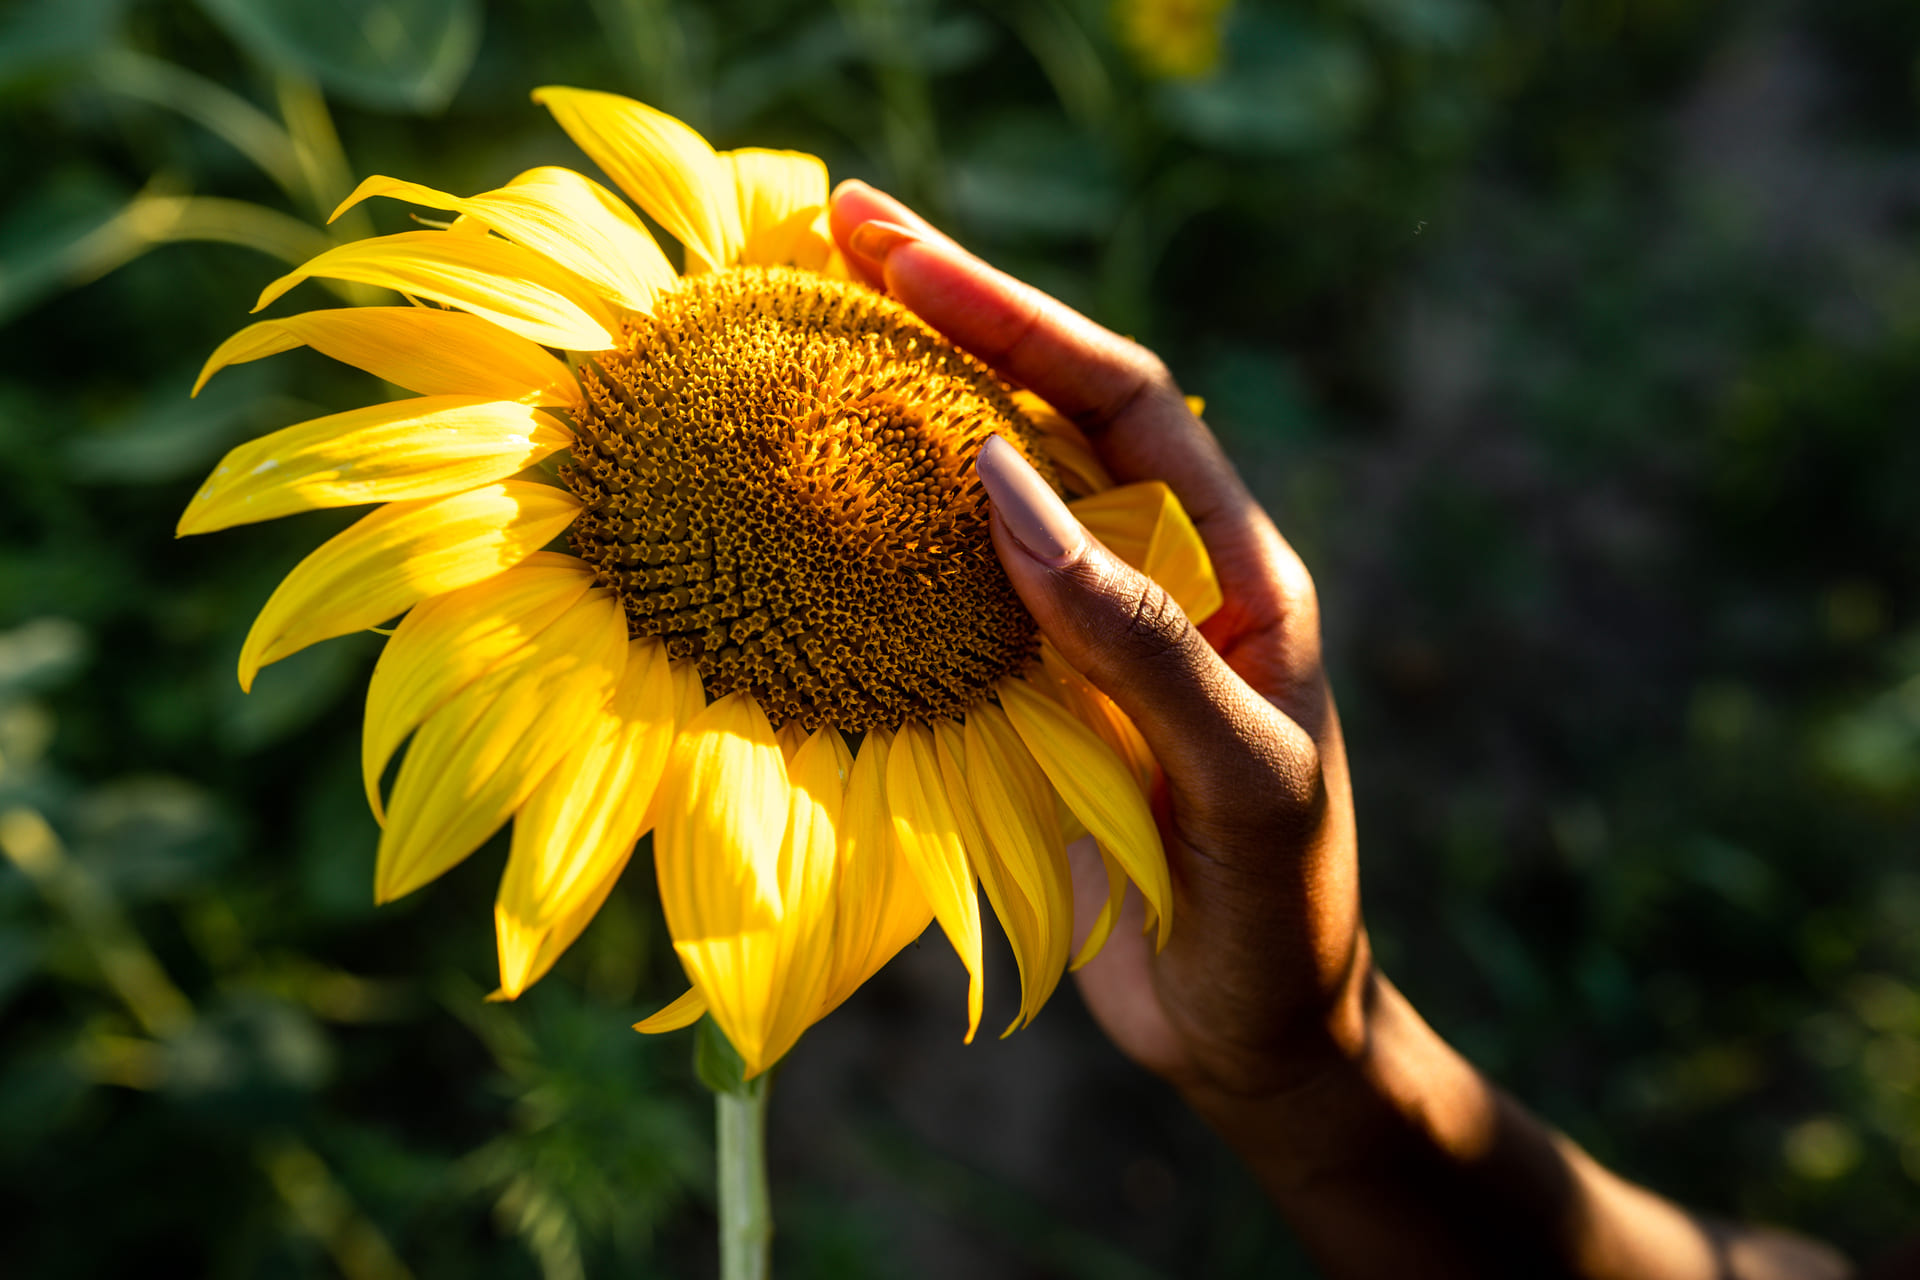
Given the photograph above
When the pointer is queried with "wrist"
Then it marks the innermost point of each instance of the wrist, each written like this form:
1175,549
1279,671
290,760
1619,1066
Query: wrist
1383,1079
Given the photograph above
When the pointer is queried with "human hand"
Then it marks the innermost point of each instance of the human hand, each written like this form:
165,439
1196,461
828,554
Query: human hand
1388,1152
1259,989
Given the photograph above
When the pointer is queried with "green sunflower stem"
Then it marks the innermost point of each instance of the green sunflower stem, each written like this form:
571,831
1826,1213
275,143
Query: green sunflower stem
746,1214
740,1150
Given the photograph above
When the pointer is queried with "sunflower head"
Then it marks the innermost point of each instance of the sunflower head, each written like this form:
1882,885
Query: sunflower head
774,538
777,472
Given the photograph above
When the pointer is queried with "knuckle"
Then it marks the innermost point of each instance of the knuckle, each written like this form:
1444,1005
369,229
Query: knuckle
1154,628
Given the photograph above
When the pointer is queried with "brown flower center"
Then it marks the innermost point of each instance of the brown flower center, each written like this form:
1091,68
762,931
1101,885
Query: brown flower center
778,475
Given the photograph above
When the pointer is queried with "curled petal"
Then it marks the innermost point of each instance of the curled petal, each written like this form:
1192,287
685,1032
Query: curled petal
782,194
1145,525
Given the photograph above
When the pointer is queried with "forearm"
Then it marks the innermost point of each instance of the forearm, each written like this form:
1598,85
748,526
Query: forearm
1404,1160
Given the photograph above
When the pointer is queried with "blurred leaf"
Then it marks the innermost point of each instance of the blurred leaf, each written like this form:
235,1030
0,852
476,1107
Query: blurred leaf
38,36
151,836
78,252
397,55
168,436
1441,25
244,126
291,694
1286,87
20,950
1028,173
246,1054
39,654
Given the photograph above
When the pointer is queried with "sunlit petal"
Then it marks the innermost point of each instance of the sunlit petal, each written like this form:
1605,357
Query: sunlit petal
514,287
664,167
723,819
479,757
446,643
879,907
584,818
424,349
397,557
782,194
423,448
568,218
928,834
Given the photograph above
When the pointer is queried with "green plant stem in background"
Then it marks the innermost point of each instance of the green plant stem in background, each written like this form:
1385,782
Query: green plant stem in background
746,1215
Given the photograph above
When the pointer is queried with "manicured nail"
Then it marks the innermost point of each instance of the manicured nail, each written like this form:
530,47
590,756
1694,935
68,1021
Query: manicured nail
875,240
1028,506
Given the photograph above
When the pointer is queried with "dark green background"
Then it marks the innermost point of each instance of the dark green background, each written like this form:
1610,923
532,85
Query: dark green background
1576,344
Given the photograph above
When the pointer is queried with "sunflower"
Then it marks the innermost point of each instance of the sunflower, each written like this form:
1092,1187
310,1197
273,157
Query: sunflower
701,553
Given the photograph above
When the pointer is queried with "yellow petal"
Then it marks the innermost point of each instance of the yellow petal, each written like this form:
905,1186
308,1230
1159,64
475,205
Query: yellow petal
1015,803
664,167
528,952
878,906
1098,712
1109,911
421,448
511,285
689,697
928,835
1078,468
1015,910
723,817
585,816
804,960
782,194
423,349
791,737
683,1012
1049,419
571,219
1145,525
397,557
1197,406
446,643
1097,786
479,757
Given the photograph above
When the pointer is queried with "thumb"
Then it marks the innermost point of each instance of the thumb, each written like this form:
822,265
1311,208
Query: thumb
1228,753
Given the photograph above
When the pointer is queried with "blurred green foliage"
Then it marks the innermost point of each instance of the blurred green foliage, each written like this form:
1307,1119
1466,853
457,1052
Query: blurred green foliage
1575,343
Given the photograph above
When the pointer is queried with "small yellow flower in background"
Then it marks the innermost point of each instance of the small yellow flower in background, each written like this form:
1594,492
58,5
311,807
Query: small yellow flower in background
1173,39
779,637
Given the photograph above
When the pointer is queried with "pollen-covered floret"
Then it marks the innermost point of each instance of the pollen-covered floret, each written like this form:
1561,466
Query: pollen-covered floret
778,472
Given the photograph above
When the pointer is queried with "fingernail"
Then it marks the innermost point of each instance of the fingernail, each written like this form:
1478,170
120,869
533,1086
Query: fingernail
875,240
1028,506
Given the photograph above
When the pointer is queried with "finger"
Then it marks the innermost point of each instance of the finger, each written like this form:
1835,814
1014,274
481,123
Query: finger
1229,755
854,205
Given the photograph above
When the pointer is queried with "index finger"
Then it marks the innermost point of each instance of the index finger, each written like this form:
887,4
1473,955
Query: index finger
1115,390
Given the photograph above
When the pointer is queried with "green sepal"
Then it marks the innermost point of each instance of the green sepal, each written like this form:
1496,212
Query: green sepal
716,1061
